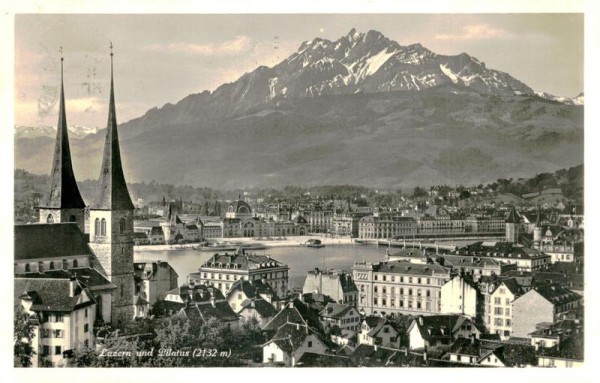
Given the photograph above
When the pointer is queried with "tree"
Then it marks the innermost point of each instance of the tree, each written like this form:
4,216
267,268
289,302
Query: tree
24,329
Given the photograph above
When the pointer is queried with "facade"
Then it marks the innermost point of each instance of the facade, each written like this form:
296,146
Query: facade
399,287
212,229
499,312
386,227
334,283
460,295
318,220
63,311
223,270
547,303
153,280
345,317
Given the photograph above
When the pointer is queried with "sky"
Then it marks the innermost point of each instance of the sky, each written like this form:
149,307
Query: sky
161,59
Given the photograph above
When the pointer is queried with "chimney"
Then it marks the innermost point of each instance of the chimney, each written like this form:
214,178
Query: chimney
375,347
420,320
72,286
297,326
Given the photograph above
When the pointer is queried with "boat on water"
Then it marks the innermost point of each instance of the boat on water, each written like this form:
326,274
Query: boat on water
314,243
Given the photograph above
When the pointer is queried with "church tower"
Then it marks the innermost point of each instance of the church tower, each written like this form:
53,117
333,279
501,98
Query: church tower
111,220
63,202
512,226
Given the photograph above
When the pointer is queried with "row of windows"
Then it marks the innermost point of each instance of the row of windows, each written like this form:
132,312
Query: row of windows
401,303
100,226
403,279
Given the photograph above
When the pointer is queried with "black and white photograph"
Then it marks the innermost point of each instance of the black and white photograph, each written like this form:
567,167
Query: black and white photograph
289,188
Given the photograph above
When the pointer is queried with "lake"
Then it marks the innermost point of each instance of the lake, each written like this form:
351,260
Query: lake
299,259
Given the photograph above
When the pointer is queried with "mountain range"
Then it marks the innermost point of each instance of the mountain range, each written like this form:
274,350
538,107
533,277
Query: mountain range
360,110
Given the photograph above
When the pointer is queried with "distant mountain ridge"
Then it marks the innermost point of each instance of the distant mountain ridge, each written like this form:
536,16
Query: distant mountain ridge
362,110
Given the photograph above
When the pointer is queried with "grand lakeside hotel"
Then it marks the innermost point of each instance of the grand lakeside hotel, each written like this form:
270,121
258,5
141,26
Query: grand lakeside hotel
399,287
222,270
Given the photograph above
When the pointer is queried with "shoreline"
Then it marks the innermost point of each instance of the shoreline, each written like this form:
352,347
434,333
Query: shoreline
288,242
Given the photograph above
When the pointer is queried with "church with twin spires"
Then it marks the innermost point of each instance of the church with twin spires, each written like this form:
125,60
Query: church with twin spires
109,260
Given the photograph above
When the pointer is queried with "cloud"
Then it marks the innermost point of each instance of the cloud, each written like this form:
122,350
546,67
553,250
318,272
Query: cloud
237,45
476,32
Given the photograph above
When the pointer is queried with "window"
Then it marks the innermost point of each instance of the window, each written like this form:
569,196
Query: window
375,289
103,227
508,323
52,265
409,291
45,350
57,333
507,312
498,310
59,317
122,226
57,350
310,343
75,263
498,301
507,301
27,268
384,302
45,333
85,313
375,301
428,293
86,327
50,219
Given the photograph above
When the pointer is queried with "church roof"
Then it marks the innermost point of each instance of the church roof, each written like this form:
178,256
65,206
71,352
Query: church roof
112,188
55,240
63,193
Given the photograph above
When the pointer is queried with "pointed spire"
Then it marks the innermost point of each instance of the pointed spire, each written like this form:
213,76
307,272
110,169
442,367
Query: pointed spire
112,192
513,216
63,193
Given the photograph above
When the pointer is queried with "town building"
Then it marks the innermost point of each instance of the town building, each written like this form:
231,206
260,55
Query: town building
243,290
525,258
222,270
461,295
475,266
256,313
378,331
548,303
569,353
201,303
153,280
290,342
336,284
439,330
386,226
63,313
399,287
499,312
345,317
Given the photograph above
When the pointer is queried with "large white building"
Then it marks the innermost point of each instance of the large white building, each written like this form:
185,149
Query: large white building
223,270
399,287
63,311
